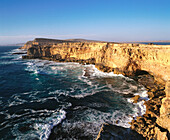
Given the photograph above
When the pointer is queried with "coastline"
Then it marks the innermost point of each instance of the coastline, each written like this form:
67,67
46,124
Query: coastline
155,84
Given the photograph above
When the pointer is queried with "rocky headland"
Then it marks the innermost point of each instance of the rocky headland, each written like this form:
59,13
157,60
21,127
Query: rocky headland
149,65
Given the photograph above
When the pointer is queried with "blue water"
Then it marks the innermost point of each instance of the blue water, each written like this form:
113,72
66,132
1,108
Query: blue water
156,43
36,95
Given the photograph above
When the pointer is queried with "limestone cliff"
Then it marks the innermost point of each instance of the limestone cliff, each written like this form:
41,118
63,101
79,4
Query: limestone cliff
163,128
128,59
27,45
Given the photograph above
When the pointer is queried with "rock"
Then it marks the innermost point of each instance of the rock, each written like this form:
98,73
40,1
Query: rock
150,94
103,68
163,121
135,99
160,135
167,89
57,56
164,114
117,121
117,71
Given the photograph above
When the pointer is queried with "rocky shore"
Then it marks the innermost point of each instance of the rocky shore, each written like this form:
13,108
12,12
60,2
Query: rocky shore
149,65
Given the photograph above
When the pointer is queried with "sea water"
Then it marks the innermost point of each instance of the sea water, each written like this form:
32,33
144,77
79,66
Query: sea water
36,95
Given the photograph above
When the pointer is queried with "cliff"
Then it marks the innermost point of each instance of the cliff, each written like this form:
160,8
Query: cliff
45,41
150,61
128,58
41,41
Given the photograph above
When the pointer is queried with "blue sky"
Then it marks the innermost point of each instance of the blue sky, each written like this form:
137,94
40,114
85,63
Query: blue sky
109,20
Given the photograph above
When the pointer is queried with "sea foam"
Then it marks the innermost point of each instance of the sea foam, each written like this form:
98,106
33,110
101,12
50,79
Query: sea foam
44,129
88,76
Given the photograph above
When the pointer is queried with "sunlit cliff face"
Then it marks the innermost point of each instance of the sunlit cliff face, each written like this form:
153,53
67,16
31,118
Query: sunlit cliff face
154,59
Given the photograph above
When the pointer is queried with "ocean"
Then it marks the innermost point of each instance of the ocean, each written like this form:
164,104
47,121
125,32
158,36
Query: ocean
156,43
39,95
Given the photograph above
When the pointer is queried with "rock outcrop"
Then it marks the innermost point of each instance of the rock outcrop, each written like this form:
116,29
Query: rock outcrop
148,64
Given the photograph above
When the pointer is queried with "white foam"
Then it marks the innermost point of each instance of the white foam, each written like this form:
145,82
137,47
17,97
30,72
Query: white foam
143,95
41,127
59,92
139,108
29,63
19,57
52,68
90,72
91,120
39,66
44,129
7,62
97,73
85,79
17,51
94,89
96,118
13,58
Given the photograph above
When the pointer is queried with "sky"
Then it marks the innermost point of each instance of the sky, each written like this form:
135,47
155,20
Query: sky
107,20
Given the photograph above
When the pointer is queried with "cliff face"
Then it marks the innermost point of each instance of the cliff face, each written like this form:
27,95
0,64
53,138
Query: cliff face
163,121
154,59
128,59
27,45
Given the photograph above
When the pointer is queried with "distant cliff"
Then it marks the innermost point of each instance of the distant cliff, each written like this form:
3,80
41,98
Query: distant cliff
45,41
127,59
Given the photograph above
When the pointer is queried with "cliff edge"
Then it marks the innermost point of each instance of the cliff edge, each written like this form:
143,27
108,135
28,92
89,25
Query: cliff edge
134,60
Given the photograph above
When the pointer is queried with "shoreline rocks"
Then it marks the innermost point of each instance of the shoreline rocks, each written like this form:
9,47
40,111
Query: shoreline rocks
135,99
146,124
